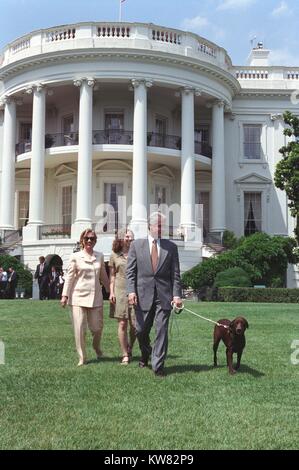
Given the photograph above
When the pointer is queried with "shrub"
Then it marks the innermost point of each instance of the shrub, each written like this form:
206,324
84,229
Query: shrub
24,275
243,294
263,258
230,241
233,277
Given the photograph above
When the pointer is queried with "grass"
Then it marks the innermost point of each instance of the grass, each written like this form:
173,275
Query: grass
46,402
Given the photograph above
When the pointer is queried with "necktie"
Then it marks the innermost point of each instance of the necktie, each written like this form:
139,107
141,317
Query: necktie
154,255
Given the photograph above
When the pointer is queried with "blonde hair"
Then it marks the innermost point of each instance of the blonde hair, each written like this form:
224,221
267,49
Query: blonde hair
84,233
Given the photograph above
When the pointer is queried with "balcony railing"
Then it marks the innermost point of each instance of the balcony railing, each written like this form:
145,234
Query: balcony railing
112,136
54,231
115,137
102,35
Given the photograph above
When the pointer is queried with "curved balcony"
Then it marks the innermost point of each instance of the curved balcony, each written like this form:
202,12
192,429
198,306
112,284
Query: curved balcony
106,35
115,137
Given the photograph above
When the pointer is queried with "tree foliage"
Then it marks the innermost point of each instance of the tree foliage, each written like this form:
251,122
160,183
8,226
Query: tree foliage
287,169
262,257
232,277
24,275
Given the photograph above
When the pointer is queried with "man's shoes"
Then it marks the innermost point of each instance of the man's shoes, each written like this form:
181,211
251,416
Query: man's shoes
143,363
160,373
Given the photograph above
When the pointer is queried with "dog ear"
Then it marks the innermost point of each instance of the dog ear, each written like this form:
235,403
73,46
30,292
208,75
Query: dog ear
246,323
232,324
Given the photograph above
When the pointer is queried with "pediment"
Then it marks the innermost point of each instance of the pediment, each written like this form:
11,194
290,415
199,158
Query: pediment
163,171
113,165
253,178
64,170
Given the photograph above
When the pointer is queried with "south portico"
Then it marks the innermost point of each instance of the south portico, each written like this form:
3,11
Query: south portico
85,149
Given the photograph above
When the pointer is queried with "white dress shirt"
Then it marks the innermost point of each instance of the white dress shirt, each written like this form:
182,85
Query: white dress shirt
150,243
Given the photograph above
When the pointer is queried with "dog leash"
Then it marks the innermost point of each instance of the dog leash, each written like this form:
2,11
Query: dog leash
178,310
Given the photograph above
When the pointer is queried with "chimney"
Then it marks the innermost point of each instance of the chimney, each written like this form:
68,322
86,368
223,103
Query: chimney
259,56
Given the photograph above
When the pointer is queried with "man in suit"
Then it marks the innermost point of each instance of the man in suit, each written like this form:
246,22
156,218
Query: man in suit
153,283
41,274
11,283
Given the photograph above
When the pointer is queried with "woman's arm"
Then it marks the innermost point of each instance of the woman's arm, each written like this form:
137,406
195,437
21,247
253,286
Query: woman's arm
103,276
70,277
112,284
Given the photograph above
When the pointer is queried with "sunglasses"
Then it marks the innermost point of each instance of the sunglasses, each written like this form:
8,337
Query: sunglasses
92,239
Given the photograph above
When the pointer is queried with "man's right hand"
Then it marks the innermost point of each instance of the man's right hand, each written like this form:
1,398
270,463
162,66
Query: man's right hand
63,301
132,299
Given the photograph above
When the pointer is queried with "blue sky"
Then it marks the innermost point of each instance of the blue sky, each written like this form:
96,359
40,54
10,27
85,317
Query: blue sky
230,23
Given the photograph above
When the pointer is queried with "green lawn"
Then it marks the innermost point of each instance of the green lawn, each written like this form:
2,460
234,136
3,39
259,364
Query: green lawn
46,402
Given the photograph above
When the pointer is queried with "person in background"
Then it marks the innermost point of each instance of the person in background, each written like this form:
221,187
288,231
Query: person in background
12,281
3,282
119,307
53,280
60,284
41,274
83,291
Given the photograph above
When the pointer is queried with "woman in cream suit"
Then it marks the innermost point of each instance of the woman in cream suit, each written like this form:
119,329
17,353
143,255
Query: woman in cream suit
83,291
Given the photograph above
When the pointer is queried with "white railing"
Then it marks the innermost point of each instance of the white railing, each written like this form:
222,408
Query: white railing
60,34
252,74
206,49
20,45
166,35
98,34
113,31
293,75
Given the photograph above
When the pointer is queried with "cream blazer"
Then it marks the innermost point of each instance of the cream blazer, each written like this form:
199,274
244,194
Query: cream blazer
83,281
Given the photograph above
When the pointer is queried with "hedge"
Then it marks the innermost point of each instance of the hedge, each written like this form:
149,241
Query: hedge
250,294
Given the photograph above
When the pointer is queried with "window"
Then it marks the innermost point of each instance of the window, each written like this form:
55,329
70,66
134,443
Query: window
160,195
161,131
112,191
201,137
68,130
203,218
66,205
25,131
114,126
23,208
252,141
252,213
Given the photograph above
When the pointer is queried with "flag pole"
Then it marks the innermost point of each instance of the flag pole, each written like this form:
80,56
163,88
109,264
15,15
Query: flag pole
120,2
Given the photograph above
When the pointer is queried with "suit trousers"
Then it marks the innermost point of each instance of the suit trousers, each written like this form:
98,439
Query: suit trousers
93,317
144,323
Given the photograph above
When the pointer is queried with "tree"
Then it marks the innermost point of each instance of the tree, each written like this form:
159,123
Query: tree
287,169
264,259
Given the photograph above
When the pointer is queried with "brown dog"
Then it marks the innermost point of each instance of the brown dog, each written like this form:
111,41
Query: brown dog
233,338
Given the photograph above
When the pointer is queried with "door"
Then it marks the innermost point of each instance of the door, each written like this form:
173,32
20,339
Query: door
114,126
114,216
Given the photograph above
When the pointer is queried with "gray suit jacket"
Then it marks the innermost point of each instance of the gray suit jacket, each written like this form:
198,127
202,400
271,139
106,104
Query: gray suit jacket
142,280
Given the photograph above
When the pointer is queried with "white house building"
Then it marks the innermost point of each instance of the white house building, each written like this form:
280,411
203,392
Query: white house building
133,114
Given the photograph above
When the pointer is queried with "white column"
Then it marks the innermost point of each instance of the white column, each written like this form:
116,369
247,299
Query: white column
188,224
139,177
8,166
37,169
218,169
187,160
84,178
